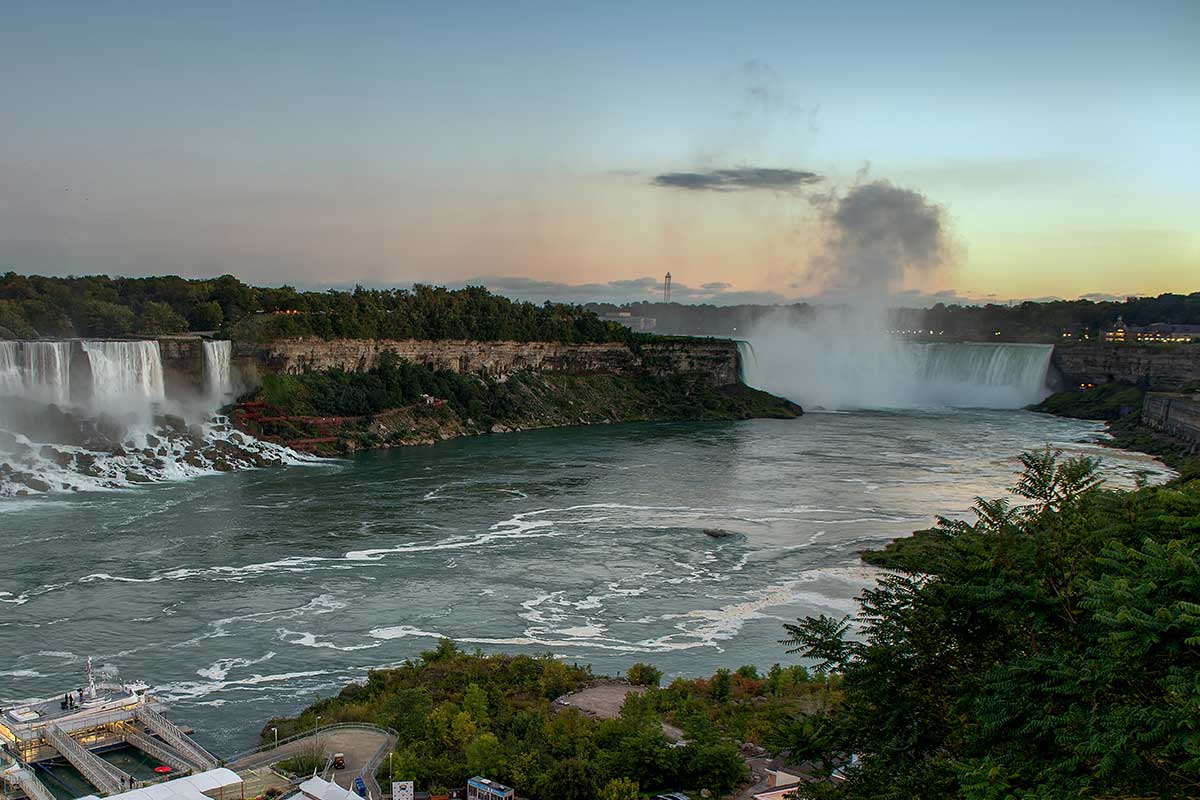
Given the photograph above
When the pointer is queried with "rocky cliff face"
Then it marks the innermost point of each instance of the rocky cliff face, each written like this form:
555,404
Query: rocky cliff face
715,358
1154,367
1176,415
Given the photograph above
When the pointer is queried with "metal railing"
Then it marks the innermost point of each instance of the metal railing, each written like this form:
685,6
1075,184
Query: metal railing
98,772
33,788
153,747
174,735
335,726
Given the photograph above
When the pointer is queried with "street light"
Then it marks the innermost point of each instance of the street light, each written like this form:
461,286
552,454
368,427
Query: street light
317,725
276,732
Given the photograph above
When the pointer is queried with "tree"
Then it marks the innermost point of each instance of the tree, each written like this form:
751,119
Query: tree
644,675
1044,651
485,756
101,318
159,318
206,316
620,789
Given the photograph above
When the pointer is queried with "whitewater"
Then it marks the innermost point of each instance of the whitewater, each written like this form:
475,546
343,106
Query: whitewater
245,595
120,429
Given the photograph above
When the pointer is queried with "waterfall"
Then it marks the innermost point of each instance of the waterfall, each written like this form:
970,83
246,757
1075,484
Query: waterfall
858,370
747,359
11,382
36,370
218,380
125,371
977,373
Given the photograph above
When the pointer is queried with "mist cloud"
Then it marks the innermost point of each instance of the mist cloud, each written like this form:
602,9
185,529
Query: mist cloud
738,180
878,234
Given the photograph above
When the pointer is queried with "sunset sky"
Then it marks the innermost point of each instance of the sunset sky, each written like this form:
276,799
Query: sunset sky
574,150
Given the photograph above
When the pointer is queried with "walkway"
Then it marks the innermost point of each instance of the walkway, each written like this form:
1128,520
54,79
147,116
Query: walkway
364,748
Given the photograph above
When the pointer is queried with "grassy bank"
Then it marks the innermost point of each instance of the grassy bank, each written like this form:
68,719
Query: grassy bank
1120,405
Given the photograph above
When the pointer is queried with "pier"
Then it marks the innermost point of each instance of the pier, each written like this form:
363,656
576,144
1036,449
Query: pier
80,725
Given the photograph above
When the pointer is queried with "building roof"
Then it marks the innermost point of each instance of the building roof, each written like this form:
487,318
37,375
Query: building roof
191,787
320,789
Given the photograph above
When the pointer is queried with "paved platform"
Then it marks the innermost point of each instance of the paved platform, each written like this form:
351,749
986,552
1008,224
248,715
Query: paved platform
363,748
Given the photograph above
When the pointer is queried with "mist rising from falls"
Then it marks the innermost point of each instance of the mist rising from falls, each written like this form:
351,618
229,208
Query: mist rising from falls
825,365
117,427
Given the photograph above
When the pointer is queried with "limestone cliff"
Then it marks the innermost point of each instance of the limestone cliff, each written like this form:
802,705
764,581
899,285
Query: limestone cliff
715,358
1155,367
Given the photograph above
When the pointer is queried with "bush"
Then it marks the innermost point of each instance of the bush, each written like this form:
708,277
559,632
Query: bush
644,675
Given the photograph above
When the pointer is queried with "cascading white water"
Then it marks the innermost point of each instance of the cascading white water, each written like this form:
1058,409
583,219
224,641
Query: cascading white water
862,371
126,432
11,380
36,370
125,371
218,379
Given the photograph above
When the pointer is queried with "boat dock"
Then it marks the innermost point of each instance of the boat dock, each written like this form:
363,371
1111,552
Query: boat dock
73,728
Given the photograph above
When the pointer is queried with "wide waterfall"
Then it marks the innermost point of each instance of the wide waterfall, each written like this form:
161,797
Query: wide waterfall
124,372
218,378
875,371
122,433
36,370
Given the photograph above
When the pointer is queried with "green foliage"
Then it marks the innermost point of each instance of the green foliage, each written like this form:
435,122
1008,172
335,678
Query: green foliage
459,715
474,403
644,675
1106,401
1044,650
620,789
98,305
159,318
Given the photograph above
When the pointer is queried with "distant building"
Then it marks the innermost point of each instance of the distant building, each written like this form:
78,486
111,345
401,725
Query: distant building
480,788
626,318
1156,332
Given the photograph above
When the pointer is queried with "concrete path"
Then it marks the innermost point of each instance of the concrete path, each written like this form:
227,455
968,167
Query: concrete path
604,700
364,750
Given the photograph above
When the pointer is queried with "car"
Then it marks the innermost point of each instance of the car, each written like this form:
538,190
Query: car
339,760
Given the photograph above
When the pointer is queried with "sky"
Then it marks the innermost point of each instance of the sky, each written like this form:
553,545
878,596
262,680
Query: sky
578,151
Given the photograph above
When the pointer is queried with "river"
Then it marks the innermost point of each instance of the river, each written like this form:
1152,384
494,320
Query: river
244,596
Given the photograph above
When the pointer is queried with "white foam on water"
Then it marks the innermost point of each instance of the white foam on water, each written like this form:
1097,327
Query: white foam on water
221,668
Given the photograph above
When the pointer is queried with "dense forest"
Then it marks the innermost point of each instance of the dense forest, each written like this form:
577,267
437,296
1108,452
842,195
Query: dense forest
1049,649
1021,322
459,715
100,306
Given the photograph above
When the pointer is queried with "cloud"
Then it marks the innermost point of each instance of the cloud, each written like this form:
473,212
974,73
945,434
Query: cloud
738,179
715,286
877,233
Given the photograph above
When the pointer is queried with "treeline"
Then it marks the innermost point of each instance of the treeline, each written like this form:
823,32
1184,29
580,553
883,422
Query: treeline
1022,322
460,715
35,306
1049,649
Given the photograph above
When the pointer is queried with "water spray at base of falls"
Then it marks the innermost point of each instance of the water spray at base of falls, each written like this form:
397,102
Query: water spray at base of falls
123,430
840,368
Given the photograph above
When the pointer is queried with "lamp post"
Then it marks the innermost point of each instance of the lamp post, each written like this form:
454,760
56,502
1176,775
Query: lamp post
317,725
276,732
